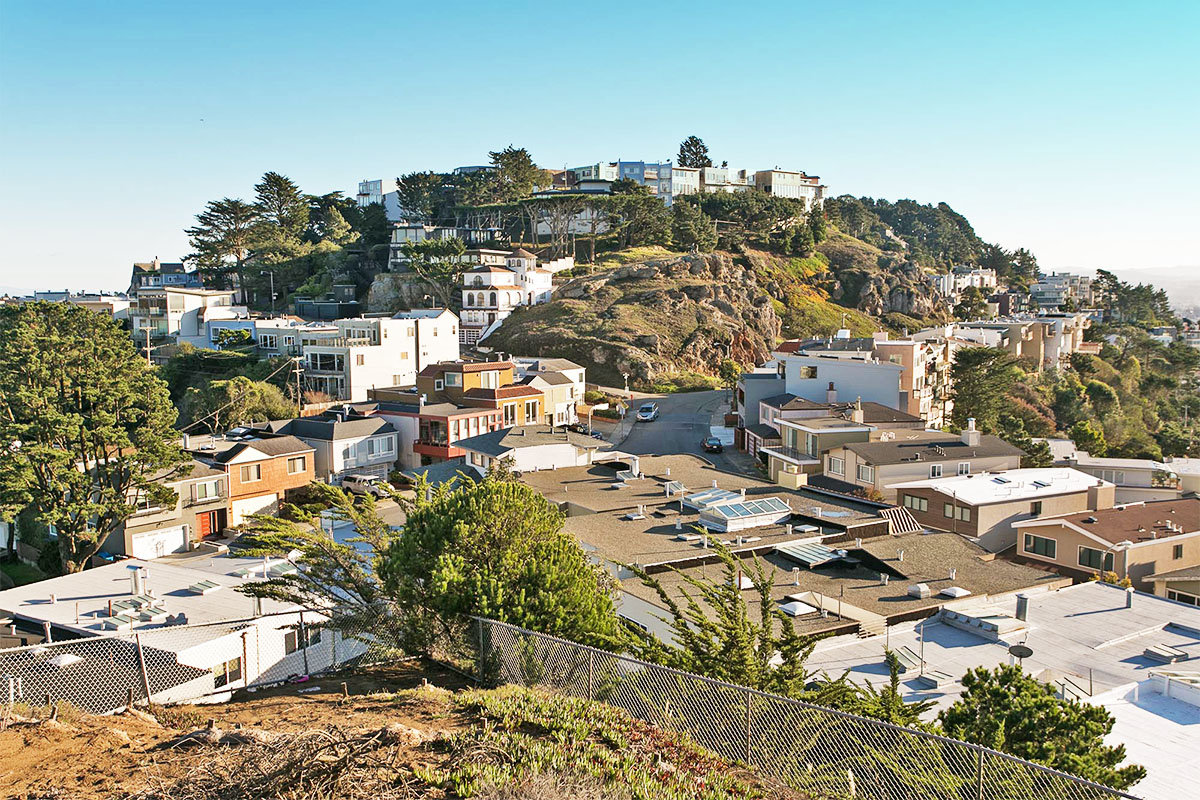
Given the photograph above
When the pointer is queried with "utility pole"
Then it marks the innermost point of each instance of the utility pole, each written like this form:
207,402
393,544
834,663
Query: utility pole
299,397
271,275
147,329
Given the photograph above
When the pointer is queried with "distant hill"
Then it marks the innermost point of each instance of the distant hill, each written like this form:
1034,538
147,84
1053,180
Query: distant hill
1182,285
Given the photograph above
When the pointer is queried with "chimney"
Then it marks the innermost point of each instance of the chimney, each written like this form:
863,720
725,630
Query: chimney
970,436
714,483
678,524
1023,607
856,414
789,529
53,600
420,401
258,607
831,394
743,492
883,579
857,542
187,440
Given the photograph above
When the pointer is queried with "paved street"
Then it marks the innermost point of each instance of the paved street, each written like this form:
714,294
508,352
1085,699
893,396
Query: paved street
683,421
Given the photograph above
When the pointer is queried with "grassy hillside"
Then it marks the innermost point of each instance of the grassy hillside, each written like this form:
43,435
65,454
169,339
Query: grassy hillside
802,305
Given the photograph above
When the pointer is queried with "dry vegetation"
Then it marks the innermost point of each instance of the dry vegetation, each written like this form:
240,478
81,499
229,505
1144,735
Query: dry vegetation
390,733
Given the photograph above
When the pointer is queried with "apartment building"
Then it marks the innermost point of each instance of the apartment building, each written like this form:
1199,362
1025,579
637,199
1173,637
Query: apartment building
794,185
992,506
362,353
1056,289
953,283
904,455
449,381
180,312
1044,341
724,179
1138,541
490,293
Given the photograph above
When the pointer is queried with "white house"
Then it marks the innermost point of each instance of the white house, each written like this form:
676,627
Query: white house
365,352
491,292
177,311
344,444
827,379
531,447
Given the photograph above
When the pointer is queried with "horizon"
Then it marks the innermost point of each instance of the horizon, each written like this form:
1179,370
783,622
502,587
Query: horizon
1020,119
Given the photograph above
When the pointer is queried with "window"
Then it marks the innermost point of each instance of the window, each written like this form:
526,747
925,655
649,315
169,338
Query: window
453,379
381,446
837,466
1183,597
951,511
289,341
208,489
291,639
510,414
251,473
1177,552
808,372
359,360
397,380
531,411
935,470
268,341
1092,558
227,673
866,474
916,503
964,468
439,384
296,465
1041,546
489,380
1035,508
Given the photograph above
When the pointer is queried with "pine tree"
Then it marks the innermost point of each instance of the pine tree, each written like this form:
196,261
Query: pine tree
693,152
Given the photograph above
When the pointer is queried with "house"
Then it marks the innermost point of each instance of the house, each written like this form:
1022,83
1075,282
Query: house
822,375
519,404
200,510
178,311
158,275
261,471
563,384
962,277
1056,289
531,447
1136,479
450,380
490,292
752,389
986,506
344,443
905,455
804,441
1091,641
177,626
1139,541
795,185
365,352
428,431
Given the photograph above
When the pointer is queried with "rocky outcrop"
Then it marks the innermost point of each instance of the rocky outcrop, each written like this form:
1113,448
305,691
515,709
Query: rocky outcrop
396,291
650,319
904,289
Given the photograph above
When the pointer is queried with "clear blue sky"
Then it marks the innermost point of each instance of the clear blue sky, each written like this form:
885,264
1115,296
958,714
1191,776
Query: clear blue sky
1070,128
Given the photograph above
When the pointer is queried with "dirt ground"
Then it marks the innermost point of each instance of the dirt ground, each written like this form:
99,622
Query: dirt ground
83,757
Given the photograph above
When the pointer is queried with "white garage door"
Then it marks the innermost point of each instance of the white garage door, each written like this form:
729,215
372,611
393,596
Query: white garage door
155,544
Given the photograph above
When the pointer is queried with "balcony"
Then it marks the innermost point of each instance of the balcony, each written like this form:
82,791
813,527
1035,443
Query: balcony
437,449
793,456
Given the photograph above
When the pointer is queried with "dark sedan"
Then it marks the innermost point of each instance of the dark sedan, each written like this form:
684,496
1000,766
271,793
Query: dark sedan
712,445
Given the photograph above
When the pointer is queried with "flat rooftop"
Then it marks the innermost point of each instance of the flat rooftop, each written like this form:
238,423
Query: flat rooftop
928,558
1007,486
1083,634
87,593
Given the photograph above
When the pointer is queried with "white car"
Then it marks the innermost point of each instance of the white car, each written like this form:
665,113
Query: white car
648,412
365,484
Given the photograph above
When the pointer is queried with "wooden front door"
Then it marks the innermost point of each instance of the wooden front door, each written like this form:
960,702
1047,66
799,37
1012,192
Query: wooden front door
204,522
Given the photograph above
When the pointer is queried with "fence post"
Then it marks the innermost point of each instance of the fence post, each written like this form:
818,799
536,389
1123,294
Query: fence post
591,659
333,648
304,642
245,661
137,637
979,776
481,657
748,726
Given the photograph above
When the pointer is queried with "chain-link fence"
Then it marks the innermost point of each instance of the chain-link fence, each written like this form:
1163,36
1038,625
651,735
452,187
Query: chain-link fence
818,750
182,663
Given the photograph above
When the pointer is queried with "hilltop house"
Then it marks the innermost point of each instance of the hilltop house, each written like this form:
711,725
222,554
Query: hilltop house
491,292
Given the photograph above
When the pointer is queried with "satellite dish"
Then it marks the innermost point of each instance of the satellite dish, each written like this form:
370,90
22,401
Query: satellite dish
1020,651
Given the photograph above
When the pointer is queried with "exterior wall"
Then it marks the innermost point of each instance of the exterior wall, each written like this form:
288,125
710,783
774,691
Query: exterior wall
274,483
870,381
992,522
752,389
531,459
887,475
1138,563
1163,588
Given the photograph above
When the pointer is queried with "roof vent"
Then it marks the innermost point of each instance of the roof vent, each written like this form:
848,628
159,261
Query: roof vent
1090,520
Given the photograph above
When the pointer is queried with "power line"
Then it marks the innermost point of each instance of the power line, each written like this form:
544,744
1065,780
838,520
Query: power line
293,361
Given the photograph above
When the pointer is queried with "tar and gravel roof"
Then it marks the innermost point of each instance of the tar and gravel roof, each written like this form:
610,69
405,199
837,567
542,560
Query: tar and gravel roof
904,449
497,443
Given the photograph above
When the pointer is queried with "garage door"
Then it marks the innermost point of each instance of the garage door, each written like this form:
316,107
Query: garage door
156,544
240,509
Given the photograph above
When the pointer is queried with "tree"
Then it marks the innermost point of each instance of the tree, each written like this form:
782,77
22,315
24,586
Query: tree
497,549
221,404
86,422
972,304
730,372
438,262
693,152
636,216
420,194
1012,430
1008,710
716,635
1089,438
221,240
817,224
982,378
232,337
516,175
692,228
279,202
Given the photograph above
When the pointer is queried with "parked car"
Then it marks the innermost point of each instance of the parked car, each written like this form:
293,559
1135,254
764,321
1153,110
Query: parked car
648,412
597,435
365,484
712,445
